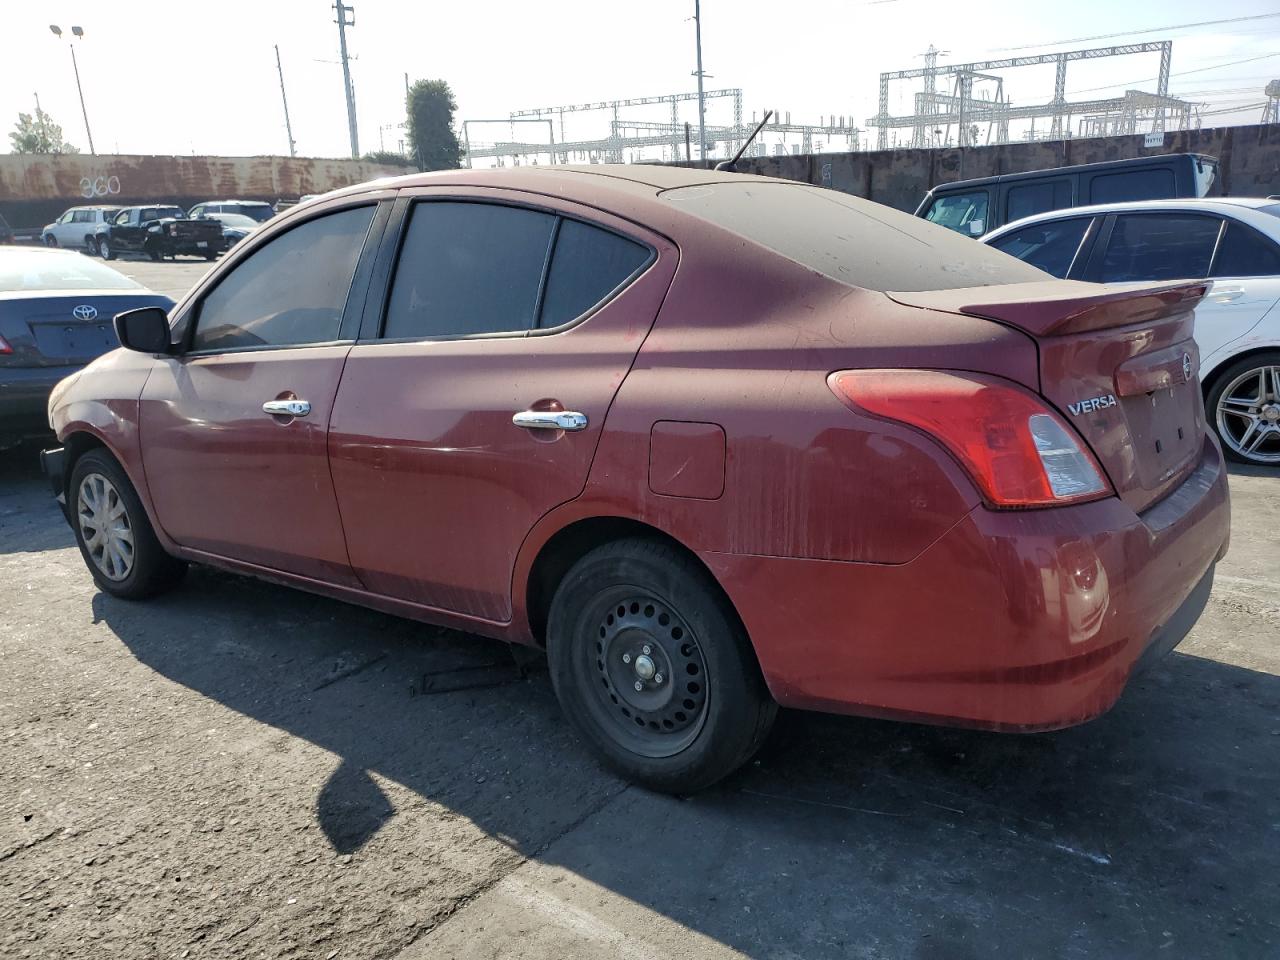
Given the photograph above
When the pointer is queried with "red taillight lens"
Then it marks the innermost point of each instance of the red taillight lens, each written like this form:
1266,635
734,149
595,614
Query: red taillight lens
1018,451
4,347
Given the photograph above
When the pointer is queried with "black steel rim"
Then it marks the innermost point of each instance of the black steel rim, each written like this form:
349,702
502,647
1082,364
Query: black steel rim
638,640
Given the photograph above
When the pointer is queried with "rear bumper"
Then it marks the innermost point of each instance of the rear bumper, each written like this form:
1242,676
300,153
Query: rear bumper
24,401
1011,620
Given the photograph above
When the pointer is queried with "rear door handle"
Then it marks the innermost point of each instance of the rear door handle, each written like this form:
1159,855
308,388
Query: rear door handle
1226,294
550,420
287,408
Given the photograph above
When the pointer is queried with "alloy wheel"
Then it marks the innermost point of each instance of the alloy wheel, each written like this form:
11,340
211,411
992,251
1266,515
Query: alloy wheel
646,674
1248,415
105,527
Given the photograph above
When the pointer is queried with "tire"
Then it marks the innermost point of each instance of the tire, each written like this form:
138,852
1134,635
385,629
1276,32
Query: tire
212,255
1243,408
154,254
639,611
104,249
51,241
100,489
90,244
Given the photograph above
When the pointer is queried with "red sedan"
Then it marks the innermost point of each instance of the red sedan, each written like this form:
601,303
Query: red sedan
716,442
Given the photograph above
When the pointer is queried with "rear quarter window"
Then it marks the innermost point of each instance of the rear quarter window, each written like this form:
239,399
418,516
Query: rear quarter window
1134,185
849,239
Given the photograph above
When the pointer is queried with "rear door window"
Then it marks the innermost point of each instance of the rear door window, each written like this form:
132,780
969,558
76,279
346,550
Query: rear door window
588,265
1133,185
962,212
1050,246
1028,199
1244,252
290,292
1159,246
467,269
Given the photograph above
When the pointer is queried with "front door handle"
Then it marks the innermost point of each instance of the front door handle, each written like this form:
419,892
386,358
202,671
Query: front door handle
550,420
287,408
1226,294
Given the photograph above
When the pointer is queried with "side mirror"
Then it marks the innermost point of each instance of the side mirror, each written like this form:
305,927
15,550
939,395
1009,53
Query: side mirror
145,330
977,228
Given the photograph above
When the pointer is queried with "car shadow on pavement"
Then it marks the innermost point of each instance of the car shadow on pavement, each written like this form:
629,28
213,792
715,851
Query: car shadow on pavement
1151,828
26,504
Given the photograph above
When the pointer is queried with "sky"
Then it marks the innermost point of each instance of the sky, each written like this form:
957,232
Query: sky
184,77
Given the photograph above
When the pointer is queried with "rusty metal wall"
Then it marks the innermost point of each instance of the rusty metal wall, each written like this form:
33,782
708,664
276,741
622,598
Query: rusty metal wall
35,189
1249,163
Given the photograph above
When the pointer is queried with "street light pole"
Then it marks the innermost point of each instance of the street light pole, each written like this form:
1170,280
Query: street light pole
79,34
702,106
342,10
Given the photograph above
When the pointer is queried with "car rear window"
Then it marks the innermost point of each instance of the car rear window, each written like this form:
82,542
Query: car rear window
849,239
28,270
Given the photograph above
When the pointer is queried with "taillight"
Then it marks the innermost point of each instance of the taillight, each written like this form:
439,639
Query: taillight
4,346
1018,451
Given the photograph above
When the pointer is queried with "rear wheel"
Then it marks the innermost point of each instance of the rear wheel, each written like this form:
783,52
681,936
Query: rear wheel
1244,407
114,535
652,666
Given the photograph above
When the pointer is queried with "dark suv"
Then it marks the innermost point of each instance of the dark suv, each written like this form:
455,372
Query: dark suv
158,232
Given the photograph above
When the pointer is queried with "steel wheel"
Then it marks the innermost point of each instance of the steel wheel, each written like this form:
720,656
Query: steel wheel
51,241
1248,414
105,527
647,674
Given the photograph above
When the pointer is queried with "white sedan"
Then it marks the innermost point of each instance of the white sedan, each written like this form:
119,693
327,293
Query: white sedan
1235,242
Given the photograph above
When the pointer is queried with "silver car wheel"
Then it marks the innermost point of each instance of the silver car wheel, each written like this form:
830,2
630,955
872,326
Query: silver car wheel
1248,415
105,526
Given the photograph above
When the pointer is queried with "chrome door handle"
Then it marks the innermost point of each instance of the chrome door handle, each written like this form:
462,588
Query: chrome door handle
287,408
1225,295
550,420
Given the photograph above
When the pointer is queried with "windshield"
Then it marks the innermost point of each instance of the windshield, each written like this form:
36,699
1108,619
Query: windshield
849,239
56,270
1206,170
233,220
962,212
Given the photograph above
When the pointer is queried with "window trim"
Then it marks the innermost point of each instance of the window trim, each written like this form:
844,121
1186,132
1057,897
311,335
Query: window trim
375,320
356,293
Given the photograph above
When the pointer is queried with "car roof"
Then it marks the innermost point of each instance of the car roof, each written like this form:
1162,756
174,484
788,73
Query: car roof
1227,206
1094,167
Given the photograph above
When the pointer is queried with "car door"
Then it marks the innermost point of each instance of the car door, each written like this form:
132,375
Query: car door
233,428
127,232
473,403
1174,246
1246,287
62,228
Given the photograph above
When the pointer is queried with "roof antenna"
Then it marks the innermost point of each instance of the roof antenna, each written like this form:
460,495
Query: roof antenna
731,166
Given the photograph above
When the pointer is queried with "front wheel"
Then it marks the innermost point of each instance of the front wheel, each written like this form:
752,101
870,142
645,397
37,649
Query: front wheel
114,535
104,249
651,664
1244,407
51,241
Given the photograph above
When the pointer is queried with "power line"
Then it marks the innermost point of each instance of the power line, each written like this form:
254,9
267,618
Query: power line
1134,33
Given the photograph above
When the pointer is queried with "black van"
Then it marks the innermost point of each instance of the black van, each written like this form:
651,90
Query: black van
974,207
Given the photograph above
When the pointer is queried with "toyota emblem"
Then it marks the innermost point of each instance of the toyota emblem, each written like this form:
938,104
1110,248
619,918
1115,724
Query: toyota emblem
84,312
1186,366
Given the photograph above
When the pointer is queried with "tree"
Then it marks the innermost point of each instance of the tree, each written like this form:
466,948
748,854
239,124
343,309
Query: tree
430,106
38,134
389,157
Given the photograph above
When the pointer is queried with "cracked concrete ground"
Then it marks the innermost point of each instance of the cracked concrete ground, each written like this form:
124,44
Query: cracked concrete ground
238,770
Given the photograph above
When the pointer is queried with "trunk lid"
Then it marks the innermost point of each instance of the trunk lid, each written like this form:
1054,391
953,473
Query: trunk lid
56,330
1117,361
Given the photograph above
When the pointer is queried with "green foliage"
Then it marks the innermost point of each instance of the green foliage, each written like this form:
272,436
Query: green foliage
38,134
430,109
389,157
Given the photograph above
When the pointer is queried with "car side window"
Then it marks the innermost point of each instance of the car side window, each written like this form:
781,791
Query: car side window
1244,252
291,291
196,212
1135,185
1050,246
468,268
123,217
587,266
1159,246
1028,199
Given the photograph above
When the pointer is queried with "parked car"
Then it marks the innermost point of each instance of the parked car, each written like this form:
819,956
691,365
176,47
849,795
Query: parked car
256,210
6,232
235,227
975,207
77,227
841,459
1234,241
158,232
55,316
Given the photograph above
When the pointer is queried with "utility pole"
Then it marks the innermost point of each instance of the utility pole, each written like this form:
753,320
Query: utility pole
702,106
288,127
44,137
343,9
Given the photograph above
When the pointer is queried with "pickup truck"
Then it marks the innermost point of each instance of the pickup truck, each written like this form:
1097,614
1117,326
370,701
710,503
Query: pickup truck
158,232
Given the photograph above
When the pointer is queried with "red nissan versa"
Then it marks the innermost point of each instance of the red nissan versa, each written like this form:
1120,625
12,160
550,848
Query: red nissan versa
716,442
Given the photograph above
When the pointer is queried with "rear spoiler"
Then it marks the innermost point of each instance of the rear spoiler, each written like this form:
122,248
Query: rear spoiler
1057,307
